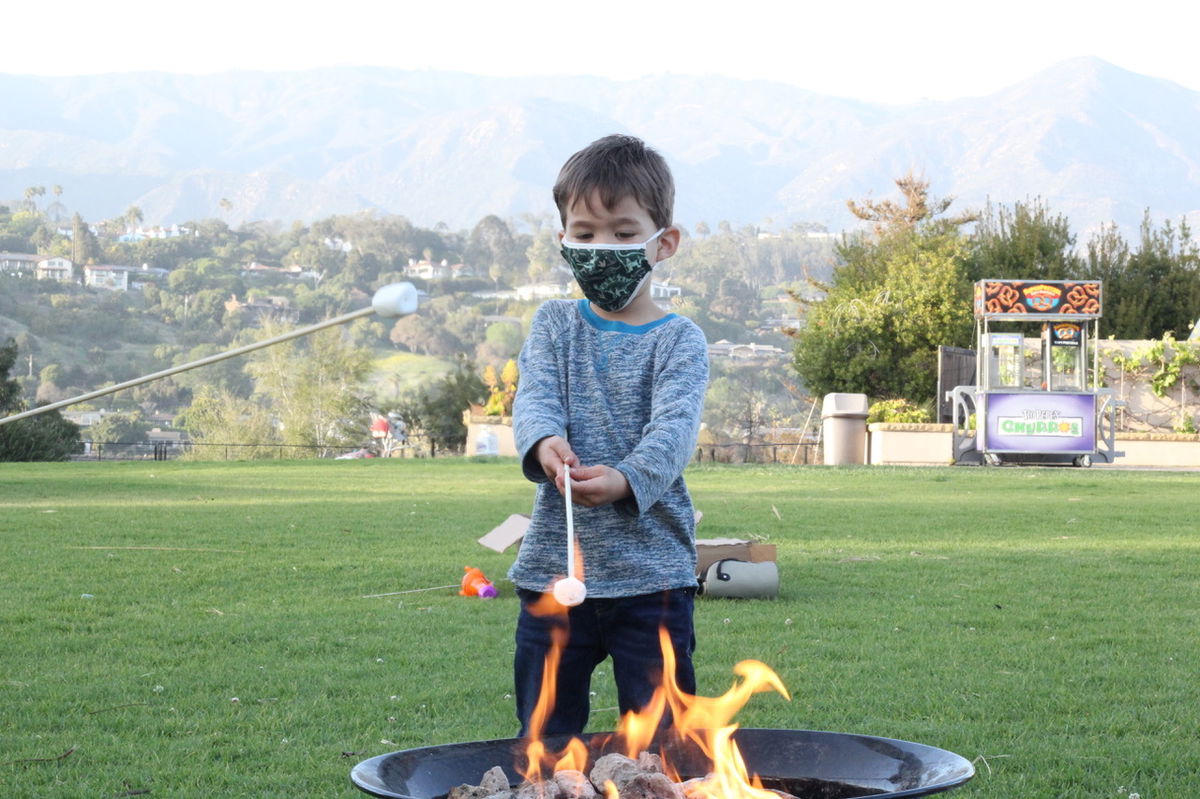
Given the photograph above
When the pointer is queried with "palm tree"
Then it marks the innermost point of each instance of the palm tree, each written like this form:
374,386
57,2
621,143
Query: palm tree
56,212
133,216
30,193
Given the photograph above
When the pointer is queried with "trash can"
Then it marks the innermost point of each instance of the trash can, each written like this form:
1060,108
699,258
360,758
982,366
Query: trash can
844,428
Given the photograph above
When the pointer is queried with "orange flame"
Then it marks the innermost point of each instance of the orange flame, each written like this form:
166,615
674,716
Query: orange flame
574,757
706,721
536,756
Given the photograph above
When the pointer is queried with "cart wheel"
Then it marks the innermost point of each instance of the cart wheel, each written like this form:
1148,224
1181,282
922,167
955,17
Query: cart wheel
1083,461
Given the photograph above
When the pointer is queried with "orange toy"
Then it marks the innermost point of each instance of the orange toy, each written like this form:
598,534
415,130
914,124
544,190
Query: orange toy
475,584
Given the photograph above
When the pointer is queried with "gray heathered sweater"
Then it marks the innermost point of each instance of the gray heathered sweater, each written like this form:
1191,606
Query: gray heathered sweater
627,397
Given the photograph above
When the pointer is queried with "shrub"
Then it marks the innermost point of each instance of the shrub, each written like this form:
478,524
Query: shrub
898,410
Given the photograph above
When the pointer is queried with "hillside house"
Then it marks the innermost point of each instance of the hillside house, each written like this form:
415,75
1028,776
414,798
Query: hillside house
56,268
147,274
141,233
121,278
427,270
663,294
544,290
664,290
293,272
746,353
264,308
112,278
18,264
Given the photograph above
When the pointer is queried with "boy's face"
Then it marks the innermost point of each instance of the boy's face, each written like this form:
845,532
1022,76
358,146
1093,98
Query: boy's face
617,286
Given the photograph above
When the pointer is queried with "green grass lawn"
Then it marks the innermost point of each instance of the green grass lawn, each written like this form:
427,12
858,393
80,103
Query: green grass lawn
196,630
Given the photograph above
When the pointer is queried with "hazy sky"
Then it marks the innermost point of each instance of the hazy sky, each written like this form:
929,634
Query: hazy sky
881,51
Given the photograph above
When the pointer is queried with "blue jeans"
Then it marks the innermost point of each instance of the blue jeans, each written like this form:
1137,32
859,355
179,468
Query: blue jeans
625,628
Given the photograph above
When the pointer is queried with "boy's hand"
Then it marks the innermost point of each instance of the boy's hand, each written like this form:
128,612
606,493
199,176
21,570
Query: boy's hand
592,486
552,452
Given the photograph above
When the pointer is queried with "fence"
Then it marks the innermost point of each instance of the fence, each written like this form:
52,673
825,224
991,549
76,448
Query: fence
802,453
956,367
173,450
807,452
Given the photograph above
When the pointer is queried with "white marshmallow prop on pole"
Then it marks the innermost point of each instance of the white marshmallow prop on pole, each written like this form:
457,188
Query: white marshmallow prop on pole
395,299
570,590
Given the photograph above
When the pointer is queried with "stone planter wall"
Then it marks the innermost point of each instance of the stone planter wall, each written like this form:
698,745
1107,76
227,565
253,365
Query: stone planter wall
489,435
890,443
1158,449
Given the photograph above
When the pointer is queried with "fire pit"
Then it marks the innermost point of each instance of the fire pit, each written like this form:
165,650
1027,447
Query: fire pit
806,764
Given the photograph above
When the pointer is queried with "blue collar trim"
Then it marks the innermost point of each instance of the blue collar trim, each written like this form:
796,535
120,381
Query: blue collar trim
614,326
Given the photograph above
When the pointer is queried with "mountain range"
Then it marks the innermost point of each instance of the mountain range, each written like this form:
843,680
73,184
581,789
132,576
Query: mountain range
1097,143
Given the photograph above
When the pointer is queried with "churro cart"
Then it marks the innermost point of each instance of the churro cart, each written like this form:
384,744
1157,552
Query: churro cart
1035,400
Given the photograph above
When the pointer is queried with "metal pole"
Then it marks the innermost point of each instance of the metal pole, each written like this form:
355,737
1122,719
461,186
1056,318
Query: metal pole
396,299
220,356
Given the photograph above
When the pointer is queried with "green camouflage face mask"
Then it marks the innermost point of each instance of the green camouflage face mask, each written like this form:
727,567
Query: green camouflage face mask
610,275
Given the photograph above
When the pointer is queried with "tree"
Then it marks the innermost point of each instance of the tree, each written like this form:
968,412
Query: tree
435,412
735,299
84,246
917,207
505,338
56,212
881,338
1152,289
418,333
502,388
133,217
899,294
543,254
491,248
32,192
228,375
737,406
313,388
1024,242
217,416
45,437
120,429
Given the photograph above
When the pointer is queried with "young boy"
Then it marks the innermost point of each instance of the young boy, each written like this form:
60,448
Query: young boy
611,387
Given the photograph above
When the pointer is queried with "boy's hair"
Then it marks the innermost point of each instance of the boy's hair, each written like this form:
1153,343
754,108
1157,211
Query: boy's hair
617,167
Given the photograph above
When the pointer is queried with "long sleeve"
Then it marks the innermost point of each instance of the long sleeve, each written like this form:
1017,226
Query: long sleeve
539,409
668,441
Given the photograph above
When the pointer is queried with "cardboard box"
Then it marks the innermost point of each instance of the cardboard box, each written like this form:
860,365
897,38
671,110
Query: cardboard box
711,550
509,532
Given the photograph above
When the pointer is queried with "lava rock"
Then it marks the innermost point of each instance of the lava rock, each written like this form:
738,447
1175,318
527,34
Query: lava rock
650,785
542,789
650,763
495,781
468,792
615,768
574,785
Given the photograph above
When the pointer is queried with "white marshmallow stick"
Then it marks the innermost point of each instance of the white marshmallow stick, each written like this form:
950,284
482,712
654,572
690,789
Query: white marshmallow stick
570,522
569,591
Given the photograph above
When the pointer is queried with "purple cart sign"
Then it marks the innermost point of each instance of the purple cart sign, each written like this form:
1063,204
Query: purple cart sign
1041,422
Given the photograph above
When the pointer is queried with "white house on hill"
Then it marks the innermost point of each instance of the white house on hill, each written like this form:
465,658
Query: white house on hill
56,268
18,264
